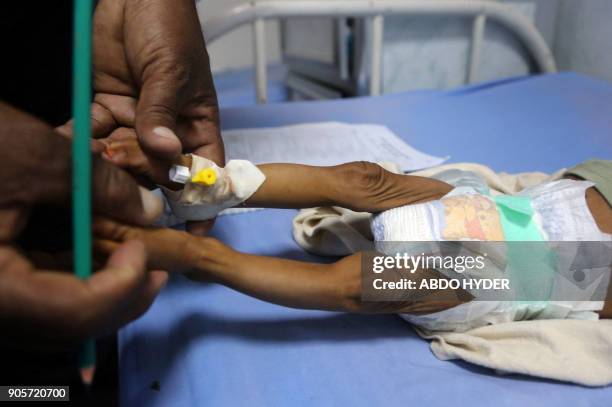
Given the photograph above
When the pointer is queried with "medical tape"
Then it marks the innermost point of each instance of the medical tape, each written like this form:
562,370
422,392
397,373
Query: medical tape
230,186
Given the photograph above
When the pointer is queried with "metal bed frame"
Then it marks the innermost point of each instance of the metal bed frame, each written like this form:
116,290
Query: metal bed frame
256,12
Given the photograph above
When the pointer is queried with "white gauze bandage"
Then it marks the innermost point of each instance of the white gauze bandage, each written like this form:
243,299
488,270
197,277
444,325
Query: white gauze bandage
235,183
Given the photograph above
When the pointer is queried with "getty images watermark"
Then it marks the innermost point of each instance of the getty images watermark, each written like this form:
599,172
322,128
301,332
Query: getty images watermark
488,271
413,263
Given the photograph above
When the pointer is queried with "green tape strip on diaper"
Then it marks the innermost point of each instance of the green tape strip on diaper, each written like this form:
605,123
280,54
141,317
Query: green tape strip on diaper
517,219
516,215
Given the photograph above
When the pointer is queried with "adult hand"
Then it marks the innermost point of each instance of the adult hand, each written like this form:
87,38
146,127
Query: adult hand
151,72
36,171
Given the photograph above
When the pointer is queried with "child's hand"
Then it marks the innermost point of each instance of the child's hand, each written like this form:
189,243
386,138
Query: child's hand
167,249
122,149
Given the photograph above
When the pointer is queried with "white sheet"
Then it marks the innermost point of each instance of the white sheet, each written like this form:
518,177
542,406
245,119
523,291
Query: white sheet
328,143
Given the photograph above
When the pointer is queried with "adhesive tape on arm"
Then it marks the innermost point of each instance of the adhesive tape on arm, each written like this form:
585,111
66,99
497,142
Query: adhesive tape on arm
234,184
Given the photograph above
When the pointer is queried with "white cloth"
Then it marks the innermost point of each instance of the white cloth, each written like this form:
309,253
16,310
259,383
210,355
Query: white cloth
333,231
576,351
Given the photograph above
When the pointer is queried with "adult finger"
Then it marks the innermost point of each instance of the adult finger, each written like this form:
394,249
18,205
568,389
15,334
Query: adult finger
41,160
214,151
200,134
107,113
134,292
60,307
12,222
158,108
116,194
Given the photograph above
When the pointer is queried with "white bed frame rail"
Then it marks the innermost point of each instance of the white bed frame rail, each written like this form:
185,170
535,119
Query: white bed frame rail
256,12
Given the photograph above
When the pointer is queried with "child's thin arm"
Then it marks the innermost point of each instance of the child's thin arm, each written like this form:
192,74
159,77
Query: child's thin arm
335,286
286,282
360,186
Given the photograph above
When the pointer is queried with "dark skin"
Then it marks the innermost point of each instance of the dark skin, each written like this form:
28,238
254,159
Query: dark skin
152,76
36,300
151,70
602,213
358,186
291,283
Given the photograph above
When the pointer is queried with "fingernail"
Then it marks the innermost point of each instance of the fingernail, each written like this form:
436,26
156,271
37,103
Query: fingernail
161,276
87,375
152,205
165,133
97,146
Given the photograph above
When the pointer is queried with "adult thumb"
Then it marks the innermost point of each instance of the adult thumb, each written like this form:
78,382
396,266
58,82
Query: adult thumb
156,113
124,290
117,195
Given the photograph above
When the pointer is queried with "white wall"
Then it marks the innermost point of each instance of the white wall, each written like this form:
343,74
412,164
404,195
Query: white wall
583,41
235,50
421,52
426,53
546,19
578,31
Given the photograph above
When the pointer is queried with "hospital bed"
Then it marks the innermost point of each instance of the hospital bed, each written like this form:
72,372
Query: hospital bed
256,13
235,86
207,345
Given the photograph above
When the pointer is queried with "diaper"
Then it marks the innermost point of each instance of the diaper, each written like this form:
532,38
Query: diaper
554,212
235,183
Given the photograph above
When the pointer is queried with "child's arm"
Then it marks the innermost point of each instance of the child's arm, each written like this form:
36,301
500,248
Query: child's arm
335,286
360,186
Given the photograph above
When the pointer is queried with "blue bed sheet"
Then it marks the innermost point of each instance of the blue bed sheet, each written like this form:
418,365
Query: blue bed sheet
540,123
207,345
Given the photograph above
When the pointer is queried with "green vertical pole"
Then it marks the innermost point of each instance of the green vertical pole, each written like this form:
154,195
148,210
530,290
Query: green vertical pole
81,153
